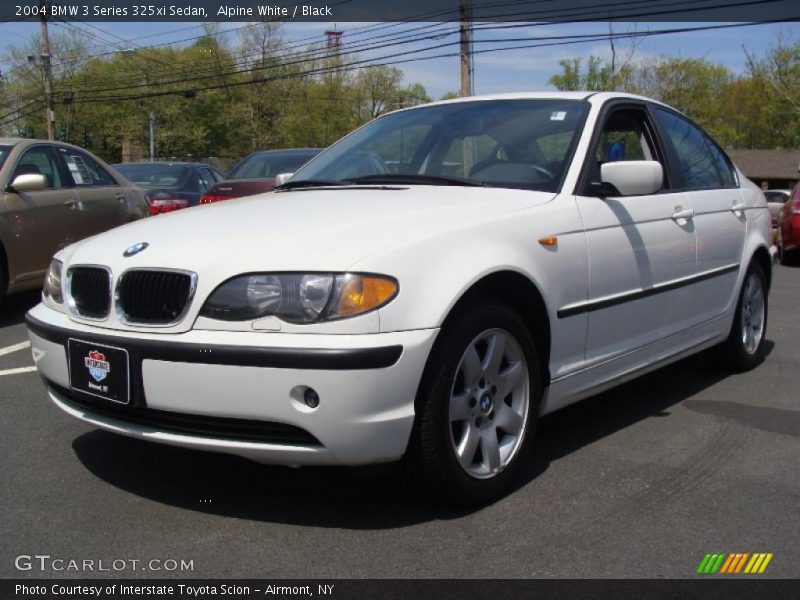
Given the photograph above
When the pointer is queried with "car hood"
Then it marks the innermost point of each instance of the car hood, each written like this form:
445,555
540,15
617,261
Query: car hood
321,229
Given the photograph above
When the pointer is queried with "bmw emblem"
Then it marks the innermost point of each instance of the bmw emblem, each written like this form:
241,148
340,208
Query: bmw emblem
135,249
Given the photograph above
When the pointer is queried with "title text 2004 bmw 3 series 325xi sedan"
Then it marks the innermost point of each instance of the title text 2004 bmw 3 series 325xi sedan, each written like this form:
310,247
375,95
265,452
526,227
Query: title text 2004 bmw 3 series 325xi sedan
427,287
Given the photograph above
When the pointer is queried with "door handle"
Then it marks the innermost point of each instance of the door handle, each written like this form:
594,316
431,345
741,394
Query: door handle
120,197
683,214
71,203
739,208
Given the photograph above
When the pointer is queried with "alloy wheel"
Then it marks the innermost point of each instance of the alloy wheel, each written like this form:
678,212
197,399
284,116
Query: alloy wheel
489,403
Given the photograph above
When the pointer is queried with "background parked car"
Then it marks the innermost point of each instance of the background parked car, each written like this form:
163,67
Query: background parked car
775,200
256,173
54,194
171,185
789,232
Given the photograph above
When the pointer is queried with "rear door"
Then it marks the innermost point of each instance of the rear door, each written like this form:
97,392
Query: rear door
42,221
101,199
720,218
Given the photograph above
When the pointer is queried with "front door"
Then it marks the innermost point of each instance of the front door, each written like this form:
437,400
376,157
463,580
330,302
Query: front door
640,247
41,221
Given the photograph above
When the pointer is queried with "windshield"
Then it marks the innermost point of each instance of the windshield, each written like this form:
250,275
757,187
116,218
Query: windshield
4,150
524,144
269,164
150,175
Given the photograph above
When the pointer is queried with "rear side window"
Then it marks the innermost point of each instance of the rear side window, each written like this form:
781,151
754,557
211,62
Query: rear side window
84,169
702,164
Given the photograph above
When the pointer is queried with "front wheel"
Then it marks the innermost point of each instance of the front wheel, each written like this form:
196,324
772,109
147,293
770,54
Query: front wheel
2,283
478,405
745,345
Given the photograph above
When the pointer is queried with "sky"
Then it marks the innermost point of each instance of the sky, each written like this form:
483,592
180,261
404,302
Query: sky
497,71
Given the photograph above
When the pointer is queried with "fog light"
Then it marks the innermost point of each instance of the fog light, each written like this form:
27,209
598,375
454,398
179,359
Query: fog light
311,397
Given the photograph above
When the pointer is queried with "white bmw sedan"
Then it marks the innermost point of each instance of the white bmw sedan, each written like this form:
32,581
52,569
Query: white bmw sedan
426,288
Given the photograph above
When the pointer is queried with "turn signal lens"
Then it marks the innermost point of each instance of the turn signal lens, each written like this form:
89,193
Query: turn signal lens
363,293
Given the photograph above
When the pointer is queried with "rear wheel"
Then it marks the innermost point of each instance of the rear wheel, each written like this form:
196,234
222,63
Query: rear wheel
478,406
745,344
781,252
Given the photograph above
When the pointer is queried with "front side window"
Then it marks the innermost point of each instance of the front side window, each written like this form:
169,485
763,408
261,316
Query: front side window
623,138
702,164
525,144
4,151
626,135
85,170
39,160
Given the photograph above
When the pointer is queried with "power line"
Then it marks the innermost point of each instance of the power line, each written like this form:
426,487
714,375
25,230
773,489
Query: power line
351,48
360,64
356,64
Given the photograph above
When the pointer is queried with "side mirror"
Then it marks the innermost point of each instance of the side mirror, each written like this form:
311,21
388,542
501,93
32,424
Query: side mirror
28,182
631,177
282,178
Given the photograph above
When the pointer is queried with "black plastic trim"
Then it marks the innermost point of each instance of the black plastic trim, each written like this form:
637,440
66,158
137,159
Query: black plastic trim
227,428
326,359
563,313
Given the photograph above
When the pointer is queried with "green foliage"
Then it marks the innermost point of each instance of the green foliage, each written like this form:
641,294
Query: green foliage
758,110
264,95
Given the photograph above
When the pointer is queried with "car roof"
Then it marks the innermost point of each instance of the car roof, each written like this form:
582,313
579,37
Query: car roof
178,163
288,151
25,142
590,96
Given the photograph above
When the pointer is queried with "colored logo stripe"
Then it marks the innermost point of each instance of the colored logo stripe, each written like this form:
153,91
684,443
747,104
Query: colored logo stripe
720,562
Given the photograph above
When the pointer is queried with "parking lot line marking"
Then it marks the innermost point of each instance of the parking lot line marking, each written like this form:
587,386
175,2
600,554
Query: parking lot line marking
17,371
14,348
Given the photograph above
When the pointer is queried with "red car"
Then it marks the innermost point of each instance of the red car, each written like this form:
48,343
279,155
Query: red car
789,240
256,173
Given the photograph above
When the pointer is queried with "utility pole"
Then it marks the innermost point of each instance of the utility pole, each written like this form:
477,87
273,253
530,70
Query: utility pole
468,148
152,136
466,48
47,73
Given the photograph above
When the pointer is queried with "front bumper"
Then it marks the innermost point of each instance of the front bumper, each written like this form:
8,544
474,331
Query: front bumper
237,392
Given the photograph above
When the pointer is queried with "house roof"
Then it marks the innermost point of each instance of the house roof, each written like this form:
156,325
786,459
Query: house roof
767,164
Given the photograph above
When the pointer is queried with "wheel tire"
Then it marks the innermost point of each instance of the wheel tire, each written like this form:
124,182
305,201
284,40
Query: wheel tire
433,450
745,349
2,282
784,260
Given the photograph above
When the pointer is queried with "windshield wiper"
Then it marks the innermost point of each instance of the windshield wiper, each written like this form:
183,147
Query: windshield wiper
306,183
400,178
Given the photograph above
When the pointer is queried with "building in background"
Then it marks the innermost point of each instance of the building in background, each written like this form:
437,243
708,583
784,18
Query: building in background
770,169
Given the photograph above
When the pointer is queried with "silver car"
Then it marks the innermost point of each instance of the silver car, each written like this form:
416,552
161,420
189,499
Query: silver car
54,194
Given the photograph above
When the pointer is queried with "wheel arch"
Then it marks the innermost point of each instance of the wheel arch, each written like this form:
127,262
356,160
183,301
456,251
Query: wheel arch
764,260
520,293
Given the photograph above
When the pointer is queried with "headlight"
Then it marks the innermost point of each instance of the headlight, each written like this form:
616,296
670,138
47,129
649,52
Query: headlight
52,282
298,297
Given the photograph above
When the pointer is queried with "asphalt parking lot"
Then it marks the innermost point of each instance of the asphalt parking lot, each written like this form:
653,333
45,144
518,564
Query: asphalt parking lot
641,482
